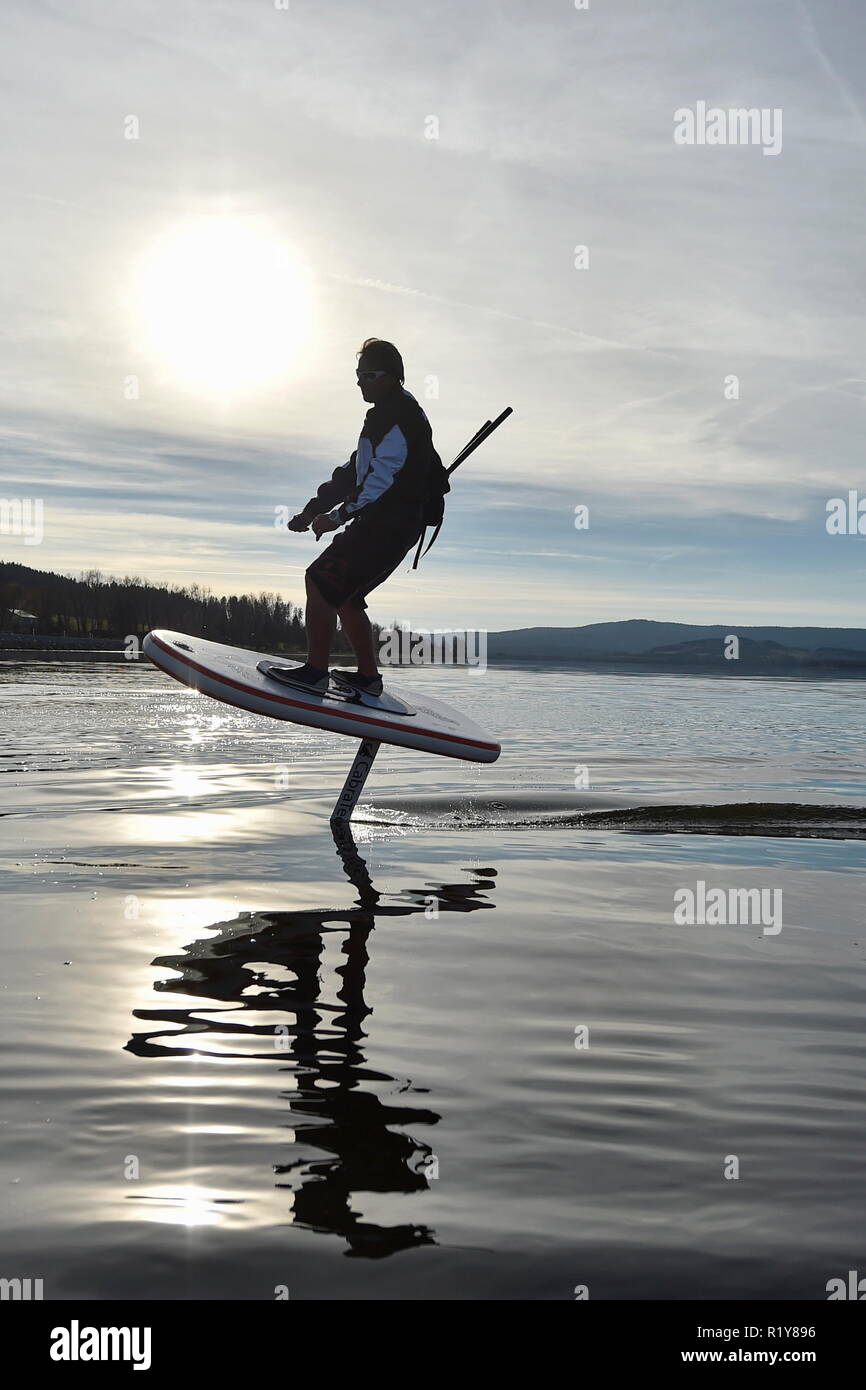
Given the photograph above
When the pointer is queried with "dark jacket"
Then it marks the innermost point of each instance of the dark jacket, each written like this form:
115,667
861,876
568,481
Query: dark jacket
388,475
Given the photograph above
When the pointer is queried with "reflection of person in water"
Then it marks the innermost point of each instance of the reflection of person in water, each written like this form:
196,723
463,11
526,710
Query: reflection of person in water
345,1142
345,1122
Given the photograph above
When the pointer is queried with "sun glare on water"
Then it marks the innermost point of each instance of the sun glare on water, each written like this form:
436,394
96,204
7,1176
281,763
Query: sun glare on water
222,305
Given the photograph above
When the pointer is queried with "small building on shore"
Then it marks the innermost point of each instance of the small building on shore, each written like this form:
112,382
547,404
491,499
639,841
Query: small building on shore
16,620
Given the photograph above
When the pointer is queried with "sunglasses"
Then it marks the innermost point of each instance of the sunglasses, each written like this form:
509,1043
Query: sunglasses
369,376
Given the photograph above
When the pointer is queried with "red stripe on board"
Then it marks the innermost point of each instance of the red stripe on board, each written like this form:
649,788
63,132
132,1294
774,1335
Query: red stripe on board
300,704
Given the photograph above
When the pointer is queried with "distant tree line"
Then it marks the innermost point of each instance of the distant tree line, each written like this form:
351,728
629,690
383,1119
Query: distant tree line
98,606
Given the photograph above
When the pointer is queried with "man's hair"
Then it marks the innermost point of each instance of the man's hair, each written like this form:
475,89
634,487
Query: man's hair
380,356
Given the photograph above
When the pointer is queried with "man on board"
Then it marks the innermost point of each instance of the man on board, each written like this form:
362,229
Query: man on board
382,494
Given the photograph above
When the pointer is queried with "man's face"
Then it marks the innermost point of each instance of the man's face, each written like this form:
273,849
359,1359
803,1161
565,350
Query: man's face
372,382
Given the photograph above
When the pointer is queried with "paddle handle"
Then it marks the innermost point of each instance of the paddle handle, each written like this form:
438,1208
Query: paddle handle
484,433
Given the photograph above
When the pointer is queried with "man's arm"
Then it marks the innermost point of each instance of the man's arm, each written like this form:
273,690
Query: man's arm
388,458
340,486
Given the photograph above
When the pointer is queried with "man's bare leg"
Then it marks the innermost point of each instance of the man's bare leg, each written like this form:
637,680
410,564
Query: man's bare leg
357,628
321,622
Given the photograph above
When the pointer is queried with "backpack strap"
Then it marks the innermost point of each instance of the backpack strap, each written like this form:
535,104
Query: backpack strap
418,551
419,554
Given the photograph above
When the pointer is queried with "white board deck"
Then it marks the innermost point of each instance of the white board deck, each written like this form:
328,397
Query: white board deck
231,674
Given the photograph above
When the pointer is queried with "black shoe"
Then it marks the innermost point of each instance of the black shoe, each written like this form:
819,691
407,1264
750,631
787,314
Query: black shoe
304,677
367,685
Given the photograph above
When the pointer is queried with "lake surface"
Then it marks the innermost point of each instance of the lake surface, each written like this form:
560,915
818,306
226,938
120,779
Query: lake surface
478,1058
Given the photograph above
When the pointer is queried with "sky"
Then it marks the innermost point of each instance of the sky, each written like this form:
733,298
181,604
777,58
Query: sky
209,206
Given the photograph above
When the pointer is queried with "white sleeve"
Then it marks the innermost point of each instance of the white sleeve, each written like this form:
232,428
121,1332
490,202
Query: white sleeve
388,459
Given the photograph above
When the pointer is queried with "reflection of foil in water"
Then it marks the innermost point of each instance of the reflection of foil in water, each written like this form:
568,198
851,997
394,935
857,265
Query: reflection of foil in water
345,1133
563,811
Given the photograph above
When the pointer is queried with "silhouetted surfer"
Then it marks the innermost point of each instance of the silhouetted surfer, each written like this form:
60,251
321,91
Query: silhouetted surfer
382,493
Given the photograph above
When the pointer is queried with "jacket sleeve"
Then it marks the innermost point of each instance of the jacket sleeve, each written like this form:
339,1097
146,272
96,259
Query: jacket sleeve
340,486
388,458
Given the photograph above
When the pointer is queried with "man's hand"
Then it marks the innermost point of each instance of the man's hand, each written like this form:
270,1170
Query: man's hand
299,523
324,523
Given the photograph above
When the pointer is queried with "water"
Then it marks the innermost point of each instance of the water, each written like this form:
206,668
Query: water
232,1058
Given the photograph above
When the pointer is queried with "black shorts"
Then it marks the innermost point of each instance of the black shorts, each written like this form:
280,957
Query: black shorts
362,557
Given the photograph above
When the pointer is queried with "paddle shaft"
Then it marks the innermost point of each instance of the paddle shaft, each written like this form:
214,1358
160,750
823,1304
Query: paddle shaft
478,438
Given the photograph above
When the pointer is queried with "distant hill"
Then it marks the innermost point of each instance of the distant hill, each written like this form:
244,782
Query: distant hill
678,646
637,635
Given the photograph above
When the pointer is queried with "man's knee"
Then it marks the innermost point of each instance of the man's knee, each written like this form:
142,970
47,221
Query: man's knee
350,610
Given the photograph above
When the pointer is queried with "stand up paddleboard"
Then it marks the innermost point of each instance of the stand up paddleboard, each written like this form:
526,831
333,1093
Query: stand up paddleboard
256,682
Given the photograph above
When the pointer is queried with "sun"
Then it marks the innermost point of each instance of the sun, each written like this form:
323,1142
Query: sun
222,304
